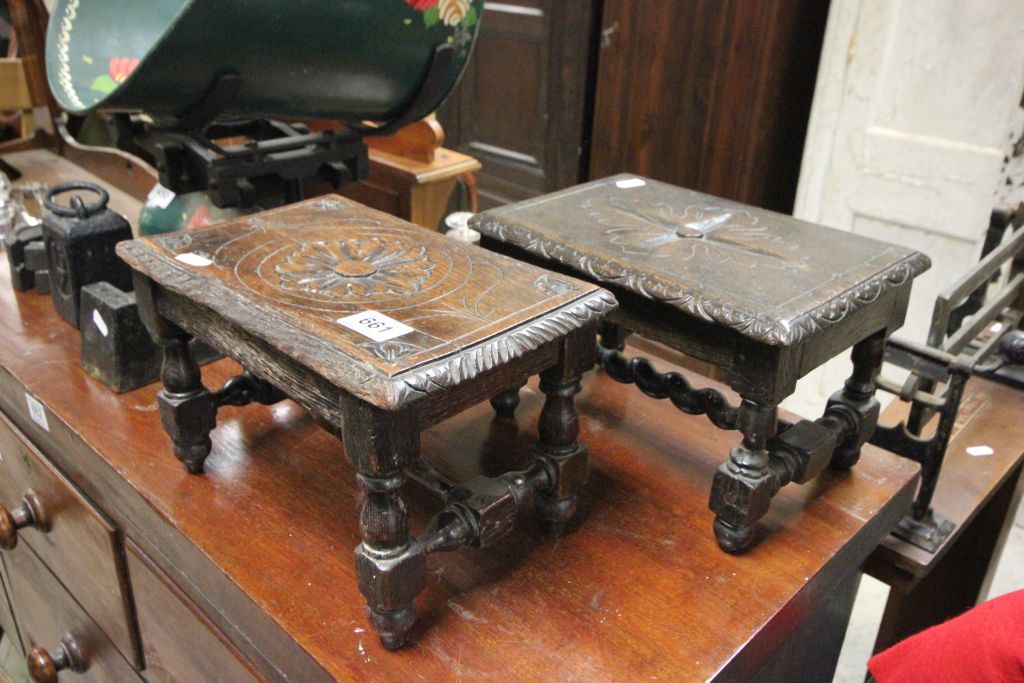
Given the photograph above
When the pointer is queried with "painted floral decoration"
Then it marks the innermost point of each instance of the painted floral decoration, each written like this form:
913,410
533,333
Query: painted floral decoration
456,13
356,267
120,69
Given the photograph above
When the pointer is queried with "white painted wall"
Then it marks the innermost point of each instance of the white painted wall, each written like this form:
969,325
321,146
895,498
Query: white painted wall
917,104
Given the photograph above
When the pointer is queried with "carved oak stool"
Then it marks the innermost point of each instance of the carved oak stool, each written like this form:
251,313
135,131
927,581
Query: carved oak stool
381,329
763,297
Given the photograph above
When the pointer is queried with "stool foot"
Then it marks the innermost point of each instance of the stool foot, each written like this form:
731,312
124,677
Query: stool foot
506,402
391,567
188,410
554,511
733,539
743,487
392,625
194,455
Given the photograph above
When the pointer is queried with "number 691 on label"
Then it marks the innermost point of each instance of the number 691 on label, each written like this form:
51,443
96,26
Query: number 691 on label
374,325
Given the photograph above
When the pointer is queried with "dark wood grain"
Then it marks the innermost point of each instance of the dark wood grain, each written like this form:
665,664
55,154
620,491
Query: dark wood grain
80,545
522,107
637,589
285,277
29,18
180,643
763,296
267,291
713,95
7,623
771,277
46,613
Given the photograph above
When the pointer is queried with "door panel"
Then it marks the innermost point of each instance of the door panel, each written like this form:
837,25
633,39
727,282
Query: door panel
520,108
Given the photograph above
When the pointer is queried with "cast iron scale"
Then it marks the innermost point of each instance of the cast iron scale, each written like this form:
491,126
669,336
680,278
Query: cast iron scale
276,161
762,296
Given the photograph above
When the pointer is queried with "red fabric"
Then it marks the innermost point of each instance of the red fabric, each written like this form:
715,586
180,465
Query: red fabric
985,644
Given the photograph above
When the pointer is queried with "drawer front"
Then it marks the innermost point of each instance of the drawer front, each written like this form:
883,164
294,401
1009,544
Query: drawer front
80,545
7,623
179,643
47,614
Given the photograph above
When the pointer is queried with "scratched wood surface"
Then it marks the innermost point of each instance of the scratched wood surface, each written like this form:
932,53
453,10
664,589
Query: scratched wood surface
262,543
296,270
769,276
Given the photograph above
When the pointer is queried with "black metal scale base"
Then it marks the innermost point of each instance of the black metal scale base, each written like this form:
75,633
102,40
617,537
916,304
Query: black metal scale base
277,161
975,333
928,533
274,165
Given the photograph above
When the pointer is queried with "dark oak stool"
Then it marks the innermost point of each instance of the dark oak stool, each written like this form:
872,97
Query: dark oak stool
380,329
762,296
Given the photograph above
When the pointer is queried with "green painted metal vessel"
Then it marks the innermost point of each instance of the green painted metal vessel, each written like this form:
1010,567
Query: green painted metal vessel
351,60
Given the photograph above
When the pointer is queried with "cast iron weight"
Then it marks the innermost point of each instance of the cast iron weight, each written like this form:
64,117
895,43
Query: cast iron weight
79,239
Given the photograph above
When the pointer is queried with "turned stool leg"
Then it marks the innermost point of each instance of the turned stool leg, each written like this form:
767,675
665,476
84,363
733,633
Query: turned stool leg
390,566
559,430
744,485
857,397
506,402
612,336
187,409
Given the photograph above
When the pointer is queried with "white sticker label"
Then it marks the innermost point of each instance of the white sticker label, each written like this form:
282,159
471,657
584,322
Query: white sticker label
630,183
979,451
98,321
37,411
194,260
160,197
376,326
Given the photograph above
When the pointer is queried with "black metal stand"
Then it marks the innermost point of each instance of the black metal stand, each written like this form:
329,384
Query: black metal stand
974,333
276,161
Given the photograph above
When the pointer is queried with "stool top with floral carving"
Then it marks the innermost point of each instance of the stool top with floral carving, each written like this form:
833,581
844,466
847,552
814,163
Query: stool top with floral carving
770,277
378,306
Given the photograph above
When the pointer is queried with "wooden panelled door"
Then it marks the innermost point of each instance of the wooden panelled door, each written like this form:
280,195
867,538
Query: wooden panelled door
712,95
522,105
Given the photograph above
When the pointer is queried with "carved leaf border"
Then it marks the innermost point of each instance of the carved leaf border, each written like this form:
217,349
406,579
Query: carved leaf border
360,381
448,372
760,327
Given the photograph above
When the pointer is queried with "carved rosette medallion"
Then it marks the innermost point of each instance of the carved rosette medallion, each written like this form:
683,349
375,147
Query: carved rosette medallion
342,267
355,267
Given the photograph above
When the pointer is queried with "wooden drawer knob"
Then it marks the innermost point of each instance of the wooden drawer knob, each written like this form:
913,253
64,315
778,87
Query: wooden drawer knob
29,513
43,667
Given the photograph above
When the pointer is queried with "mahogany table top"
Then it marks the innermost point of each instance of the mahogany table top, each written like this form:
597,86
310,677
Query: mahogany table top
262,543
292,276
771,277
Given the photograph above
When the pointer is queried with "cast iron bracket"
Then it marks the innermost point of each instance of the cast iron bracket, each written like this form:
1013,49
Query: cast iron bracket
974,332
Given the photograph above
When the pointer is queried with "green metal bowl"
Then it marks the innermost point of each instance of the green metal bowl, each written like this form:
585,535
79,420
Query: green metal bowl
352,60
